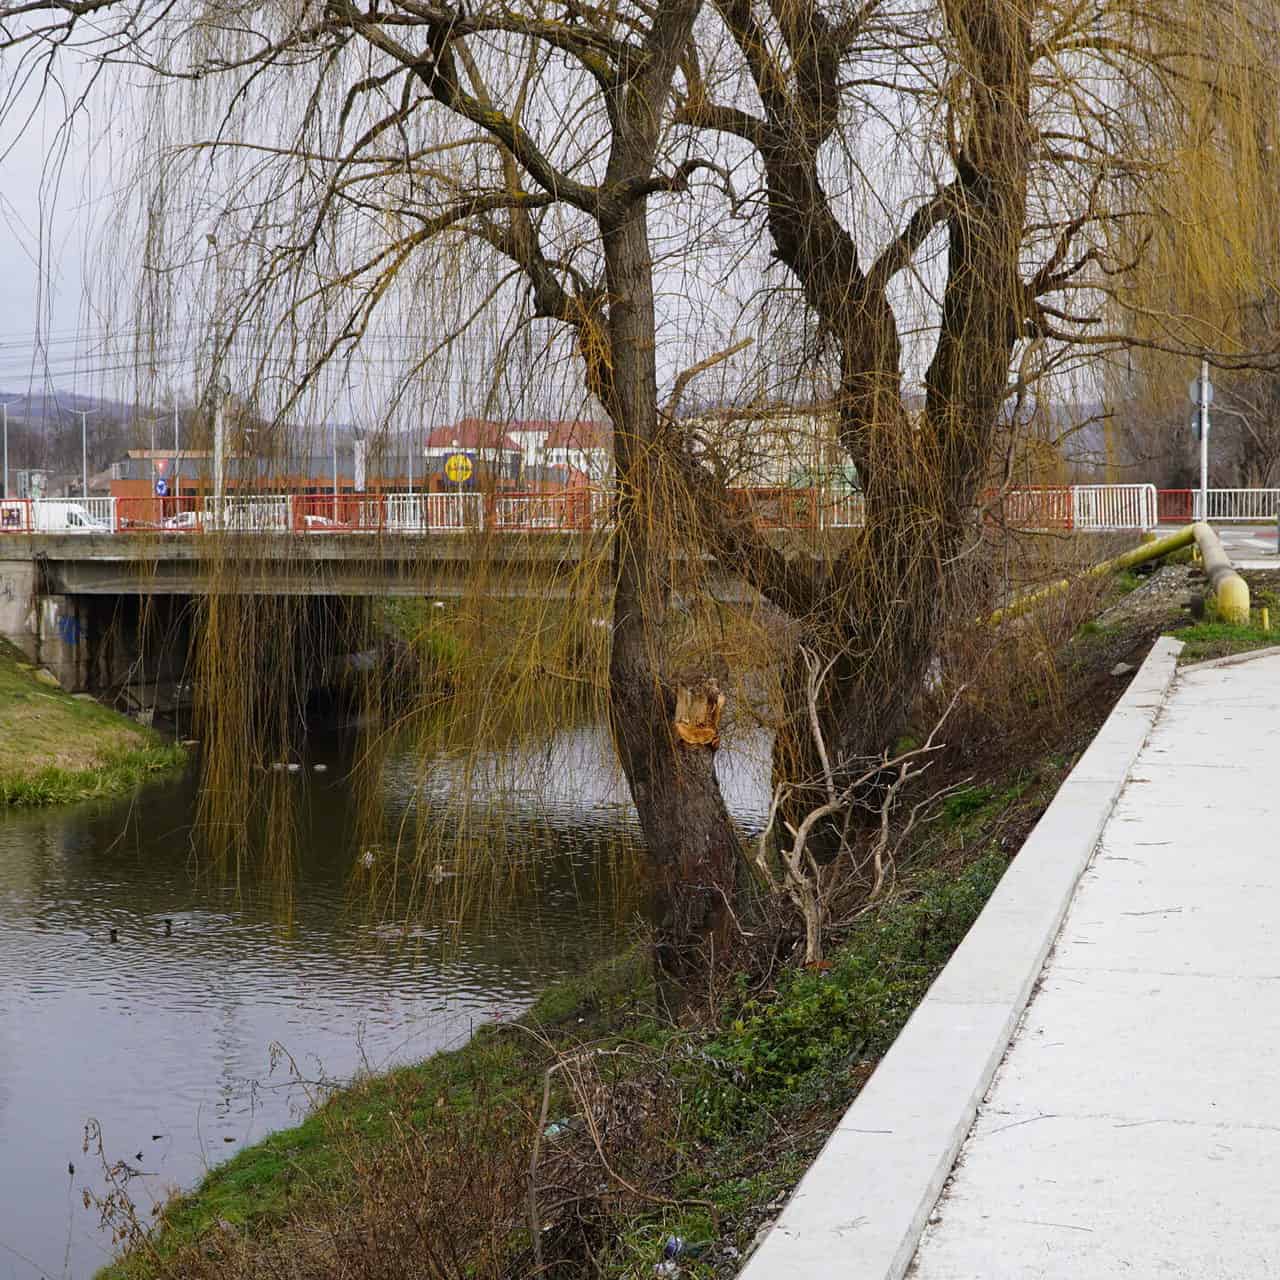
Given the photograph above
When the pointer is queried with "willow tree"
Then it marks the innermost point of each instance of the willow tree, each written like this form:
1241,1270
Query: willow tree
921,210
1011,185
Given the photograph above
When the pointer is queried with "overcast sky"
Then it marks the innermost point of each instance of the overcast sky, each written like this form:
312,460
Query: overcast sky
45,216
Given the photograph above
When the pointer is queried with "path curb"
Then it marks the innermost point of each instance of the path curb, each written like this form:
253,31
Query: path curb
1230,659
859,1211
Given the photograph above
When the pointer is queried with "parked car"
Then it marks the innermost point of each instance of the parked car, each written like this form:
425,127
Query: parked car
182,520
51,515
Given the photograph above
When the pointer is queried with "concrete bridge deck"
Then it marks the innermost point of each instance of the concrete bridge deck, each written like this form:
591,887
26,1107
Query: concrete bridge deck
348,564
1088,1089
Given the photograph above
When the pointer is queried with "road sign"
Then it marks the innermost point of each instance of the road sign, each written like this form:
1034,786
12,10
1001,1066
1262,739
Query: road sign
458,468
1193,391
162,488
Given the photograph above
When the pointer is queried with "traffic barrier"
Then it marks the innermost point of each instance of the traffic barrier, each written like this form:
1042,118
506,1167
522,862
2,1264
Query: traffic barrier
1105,507
1040,506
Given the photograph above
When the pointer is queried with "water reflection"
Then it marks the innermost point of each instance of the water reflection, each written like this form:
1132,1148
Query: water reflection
166,1036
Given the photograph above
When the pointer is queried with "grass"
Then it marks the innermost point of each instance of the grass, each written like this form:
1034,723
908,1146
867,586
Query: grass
55,749
1207,640
426,630
1212,638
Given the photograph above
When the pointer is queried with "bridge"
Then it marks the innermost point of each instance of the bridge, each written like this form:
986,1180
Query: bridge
73,572
1083,1091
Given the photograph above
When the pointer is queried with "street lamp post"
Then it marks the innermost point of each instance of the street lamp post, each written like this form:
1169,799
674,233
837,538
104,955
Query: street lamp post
5,409
1206,394
176,464
84,450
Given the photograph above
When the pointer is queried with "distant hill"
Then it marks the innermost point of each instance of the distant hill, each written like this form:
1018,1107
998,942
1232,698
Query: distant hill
37,408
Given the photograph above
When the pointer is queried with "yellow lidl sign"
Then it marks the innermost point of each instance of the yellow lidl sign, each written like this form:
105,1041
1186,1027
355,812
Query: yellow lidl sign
458,468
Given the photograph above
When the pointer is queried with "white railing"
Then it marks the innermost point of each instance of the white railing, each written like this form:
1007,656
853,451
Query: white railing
845,511
419,512
1101,507
1244,505
259,514
102,511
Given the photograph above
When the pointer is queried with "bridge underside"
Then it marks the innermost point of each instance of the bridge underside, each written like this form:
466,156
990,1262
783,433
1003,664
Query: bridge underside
85,605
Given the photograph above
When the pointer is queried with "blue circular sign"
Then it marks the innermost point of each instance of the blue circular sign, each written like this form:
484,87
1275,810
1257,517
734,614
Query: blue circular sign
162,488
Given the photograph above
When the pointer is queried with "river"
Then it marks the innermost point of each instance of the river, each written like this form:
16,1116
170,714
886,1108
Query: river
170,1038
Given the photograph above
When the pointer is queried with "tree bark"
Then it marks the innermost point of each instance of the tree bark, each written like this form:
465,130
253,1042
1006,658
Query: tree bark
669,762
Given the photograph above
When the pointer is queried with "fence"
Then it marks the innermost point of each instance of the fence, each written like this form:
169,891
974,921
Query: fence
1087,508
1035,507
1243,506
572,509
1098,507
428,512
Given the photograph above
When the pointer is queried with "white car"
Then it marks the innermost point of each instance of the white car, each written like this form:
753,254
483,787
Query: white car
314,523
55,516
182,520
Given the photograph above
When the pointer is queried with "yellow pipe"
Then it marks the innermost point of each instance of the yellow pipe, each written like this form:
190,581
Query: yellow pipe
1139,555
1230,590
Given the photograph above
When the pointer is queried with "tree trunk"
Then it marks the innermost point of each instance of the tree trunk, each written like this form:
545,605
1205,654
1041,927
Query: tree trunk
668,760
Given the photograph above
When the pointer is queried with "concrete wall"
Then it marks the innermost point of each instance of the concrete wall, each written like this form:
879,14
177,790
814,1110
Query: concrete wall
18,622
92,643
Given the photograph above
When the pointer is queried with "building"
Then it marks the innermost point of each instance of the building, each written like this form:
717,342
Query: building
782,447
493,459
583,448
188,473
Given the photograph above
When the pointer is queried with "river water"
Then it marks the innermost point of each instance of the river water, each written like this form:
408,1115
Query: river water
170,1038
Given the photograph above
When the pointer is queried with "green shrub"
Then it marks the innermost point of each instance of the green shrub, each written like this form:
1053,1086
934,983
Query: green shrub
799,1044
968,800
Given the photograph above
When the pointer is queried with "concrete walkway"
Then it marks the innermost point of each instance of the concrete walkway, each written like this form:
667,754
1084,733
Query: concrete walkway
1133,1128
1251,546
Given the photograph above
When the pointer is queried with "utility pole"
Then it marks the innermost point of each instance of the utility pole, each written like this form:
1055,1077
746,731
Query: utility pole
176,467
5,409
219,450
219,430
84,449
1206,394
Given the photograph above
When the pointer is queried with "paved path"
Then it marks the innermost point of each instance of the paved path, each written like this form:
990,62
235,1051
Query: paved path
1250,546
1133,1128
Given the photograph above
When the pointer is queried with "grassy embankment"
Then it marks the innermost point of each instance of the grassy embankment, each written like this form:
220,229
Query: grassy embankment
649,1129
1208,637
722,1120
55,749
